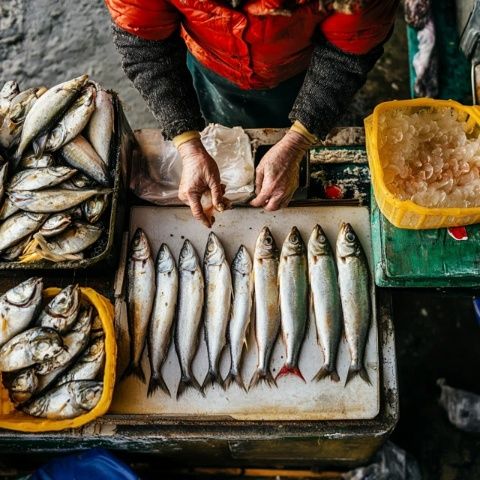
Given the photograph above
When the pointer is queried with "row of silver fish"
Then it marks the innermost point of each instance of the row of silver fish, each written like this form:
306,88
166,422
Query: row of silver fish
61,188
50,356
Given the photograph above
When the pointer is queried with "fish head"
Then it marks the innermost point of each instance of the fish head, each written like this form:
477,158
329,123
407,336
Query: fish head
86,394
188,257
348,244
294,244
45,345
140,248
95,350
65,302
266,246
319,244
22,295
242,263
84,321
26,381
9,89
56,221
165,261
75,84
86,98
214,252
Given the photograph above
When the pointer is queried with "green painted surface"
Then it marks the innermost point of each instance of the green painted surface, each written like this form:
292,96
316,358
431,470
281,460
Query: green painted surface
423,258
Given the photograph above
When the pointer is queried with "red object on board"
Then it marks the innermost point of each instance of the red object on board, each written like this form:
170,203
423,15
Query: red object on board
458,233
333,192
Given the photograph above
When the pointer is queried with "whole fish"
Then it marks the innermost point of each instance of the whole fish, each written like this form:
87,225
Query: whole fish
354,282
15,251
79,154
242,273
18,307
52,200
61,312
73,122
189,315
163,314
88,365
267,318
293,286
19,226
141,293
66,401
21,385
39,178
31,161
101,125
55,224
47,110
94,207
3,179
78,182
325,297
31,346
218,301
8,209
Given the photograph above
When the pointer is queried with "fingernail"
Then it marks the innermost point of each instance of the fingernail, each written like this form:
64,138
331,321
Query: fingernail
220,207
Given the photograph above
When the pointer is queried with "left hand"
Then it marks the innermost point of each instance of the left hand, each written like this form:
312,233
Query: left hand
277,174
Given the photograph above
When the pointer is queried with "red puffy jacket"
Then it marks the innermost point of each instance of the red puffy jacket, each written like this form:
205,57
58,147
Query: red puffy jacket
261,44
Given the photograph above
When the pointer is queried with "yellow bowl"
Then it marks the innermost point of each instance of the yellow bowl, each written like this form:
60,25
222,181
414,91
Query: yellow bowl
13,419
405,213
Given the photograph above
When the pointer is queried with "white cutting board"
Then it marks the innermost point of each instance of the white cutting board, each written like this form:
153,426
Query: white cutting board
292,399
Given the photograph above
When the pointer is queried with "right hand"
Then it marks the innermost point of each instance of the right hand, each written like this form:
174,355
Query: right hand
200,176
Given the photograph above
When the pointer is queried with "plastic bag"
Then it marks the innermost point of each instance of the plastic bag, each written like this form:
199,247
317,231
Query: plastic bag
156,174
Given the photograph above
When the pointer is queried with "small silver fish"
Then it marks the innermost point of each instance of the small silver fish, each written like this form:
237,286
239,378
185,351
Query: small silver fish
66,401
267,319
19,226
94,207
141,293
163,314
31,346
39,178
31,161
21,385
55,224
354,282
189,315
101,125
61,312
18,306
242,273
218,300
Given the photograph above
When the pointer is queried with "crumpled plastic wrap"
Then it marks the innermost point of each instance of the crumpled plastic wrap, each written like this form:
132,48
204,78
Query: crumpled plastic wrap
156,173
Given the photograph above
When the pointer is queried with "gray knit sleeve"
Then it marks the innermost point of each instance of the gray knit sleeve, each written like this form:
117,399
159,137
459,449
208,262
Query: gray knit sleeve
332,80
158,69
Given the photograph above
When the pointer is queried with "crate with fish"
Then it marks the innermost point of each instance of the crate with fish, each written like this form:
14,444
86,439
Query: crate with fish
63,153
57,356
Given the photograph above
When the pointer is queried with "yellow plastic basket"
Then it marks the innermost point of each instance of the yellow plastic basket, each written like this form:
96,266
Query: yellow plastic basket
405,213
12,419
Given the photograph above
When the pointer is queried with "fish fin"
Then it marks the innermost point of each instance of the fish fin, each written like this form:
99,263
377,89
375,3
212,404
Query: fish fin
187,382
135,370
157,382
39,145
234,377
326,371
262,376
353,372
290,370
211,378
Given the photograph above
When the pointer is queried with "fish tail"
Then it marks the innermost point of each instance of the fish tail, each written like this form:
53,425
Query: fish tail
290,370
211,378
188,382
135,370
327,371
361,372
261,375
234,377
157,382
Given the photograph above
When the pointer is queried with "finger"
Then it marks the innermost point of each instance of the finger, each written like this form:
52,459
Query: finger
217,194
258,180
274,203
197,210
261,199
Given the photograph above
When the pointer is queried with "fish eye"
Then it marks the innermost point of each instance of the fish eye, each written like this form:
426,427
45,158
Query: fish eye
268,240
43,345
322,239
211,247
350,237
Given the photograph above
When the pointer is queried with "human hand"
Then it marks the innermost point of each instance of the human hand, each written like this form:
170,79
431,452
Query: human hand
200,176
277,174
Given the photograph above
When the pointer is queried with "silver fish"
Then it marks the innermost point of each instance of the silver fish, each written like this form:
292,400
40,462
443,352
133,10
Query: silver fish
89,364
189,315
101,125
21,385
39,178
354,282
267,321
52,200
78,182
293,286
18,306
55,224
3,178
61,312
141,293
31,346
79,154
47,109
8,92
325,299
242,273
7,209
31,161
218,301
163,314
19,226
66,401
15,251
94,207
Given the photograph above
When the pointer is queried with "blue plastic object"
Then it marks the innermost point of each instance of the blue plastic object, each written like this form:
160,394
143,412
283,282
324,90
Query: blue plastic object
96,464
476,308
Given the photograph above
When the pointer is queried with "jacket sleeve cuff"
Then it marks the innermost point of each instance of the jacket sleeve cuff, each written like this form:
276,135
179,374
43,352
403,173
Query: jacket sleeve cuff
185,137
301,129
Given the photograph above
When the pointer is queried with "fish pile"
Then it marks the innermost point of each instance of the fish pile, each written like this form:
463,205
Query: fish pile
52,354
54,169
166,300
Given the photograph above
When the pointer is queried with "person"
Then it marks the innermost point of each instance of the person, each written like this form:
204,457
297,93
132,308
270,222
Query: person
253,63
